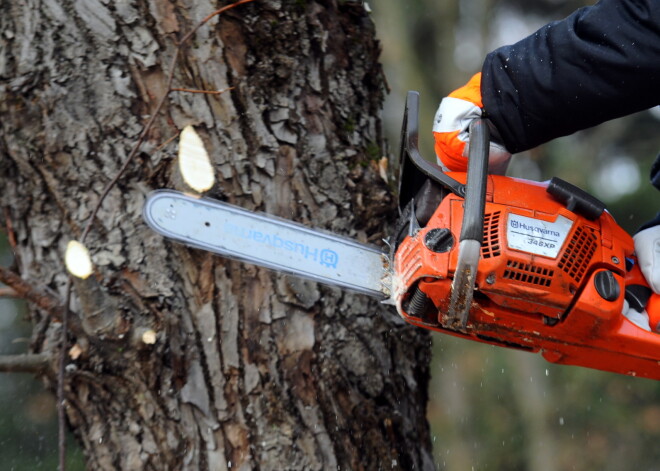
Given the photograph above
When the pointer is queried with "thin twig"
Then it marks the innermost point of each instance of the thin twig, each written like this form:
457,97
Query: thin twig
165,144
61,410
24,363
136,147
205,20
207,92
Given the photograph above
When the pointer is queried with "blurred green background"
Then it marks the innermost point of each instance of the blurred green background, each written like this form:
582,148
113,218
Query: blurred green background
489,408
492,408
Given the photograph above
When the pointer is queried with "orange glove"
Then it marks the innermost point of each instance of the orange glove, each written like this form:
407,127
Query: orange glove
451,129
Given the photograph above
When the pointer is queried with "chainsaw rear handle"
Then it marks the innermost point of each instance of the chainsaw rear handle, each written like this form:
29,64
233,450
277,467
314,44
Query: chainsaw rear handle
477,174
576,199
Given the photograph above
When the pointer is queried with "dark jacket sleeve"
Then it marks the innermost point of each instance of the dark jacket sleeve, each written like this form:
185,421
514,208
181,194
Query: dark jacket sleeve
600,63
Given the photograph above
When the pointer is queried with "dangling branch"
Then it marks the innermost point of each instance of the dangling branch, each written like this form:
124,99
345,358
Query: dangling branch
61,410
207,92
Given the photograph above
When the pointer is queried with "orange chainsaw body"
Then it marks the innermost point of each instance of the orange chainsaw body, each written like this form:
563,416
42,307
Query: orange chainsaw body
549,280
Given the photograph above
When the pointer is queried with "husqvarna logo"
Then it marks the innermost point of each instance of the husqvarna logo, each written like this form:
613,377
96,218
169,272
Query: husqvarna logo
532,229
326,257
537,236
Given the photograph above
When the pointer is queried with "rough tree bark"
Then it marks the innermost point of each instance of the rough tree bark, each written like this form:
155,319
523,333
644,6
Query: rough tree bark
250,369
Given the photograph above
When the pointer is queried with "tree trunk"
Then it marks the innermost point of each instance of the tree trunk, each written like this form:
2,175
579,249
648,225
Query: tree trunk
250,369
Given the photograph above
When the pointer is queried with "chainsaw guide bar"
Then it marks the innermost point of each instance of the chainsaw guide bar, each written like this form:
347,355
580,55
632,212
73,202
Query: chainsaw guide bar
269,242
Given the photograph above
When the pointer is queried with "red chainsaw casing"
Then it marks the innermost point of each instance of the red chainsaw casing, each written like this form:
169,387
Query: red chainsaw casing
549,280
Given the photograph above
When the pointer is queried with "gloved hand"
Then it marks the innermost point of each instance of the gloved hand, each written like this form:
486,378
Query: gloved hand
647,249
451,129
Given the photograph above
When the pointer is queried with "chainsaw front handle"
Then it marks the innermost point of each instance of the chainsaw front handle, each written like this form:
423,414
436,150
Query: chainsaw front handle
477,174
472,227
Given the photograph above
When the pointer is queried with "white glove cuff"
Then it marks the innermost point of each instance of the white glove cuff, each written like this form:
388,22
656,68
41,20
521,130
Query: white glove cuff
455,114
640,319
647,249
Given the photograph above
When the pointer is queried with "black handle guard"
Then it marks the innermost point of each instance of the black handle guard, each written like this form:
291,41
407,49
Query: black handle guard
415,170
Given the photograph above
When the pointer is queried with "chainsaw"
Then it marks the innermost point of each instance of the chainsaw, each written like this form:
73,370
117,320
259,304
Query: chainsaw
539,267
